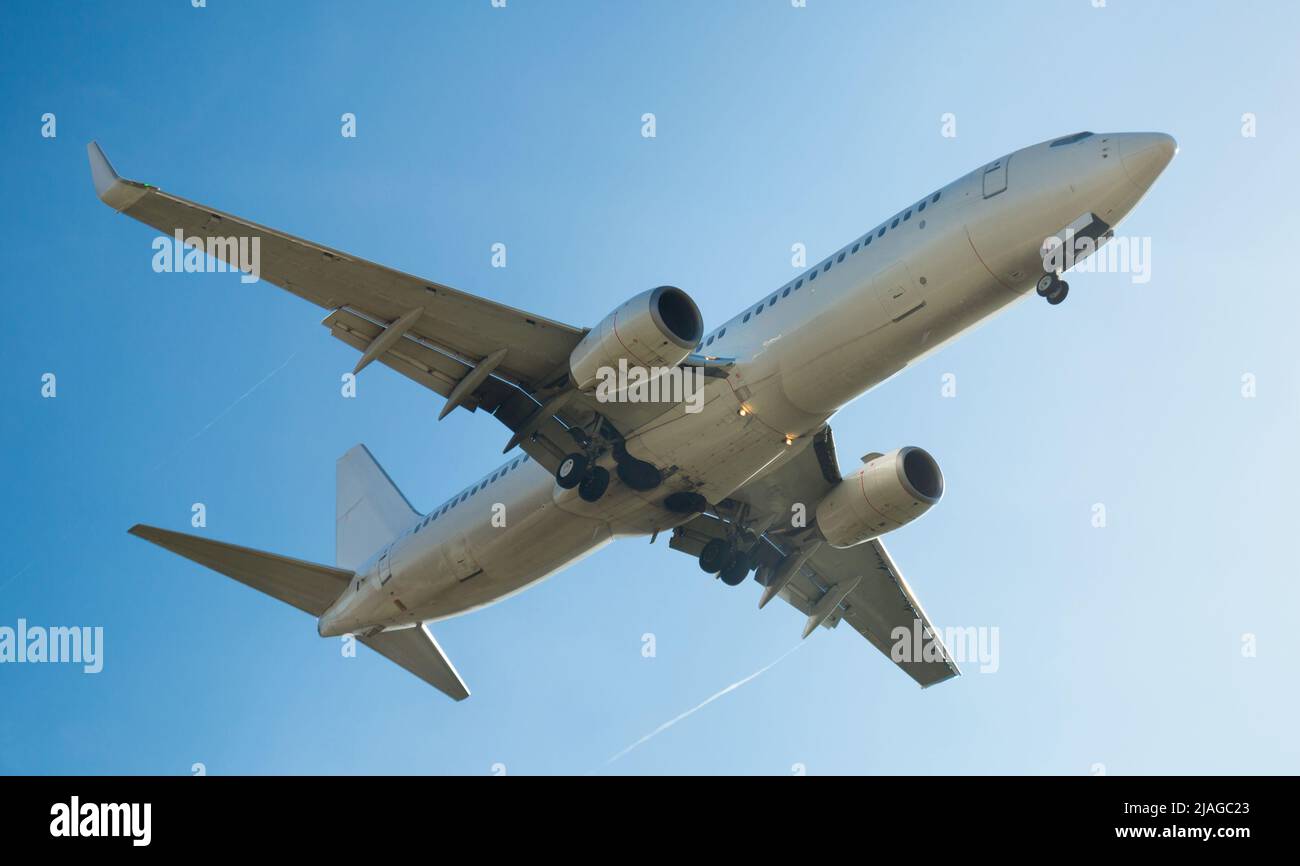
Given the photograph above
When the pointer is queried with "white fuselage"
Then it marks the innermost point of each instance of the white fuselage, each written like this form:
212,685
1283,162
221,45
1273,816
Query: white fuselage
885,300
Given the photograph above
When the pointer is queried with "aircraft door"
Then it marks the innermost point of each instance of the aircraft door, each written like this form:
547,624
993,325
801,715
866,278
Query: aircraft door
460,559
899,294
385,569
995,177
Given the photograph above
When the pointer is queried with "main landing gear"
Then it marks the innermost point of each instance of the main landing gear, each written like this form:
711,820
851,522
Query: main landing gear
637,474
1053,288
727,560
577,470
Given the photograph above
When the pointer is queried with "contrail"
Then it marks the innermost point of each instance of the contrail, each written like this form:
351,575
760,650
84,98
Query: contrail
17,574
710,699
225,411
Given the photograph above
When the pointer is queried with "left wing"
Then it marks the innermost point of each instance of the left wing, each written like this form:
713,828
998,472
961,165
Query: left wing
860,585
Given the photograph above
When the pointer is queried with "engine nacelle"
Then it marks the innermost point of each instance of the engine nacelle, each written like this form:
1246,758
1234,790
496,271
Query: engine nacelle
658,328
890,490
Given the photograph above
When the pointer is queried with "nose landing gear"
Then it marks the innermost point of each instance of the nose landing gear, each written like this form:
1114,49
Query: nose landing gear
1053,288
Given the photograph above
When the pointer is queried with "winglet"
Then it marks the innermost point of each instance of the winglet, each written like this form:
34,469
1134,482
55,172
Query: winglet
112,190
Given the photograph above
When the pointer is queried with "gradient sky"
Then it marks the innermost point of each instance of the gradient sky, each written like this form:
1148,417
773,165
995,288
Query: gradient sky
1119,646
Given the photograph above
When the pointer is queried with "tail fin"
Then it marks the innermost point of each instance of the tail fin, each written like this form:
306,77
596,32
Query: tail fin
369,509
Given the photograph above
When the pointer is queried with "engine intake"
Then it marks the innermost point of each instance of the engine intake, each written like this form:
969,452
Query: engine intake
658,328
889,491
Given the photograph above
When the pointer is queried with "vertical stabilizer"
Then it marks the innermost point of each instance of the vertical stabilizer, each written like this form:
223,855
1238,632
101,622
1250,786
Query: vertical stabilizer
369,509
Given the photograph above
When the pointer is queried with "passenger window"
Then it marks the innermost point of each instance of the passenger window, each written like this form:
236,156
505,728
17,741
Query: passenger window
827,267
855,249
894,224
841,258
881,232
907,216
746,319
867,242
934,199
772,302
798,285
812,276
722,333
920,207
786,293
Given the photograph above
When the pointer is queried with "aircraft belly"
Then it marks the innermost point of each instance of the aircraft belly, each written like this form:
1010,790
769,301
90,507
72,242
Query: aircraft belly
529,541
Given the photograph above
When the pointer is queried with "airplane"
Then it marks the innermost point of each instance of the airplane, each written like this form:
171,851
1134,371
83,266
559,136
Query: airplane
748,483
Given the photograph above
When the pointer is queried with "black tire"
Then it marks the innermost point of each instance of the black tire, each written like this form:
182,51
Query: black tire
685,502
1046,283
735,572
714,555
1058,295
639,475
571,471
594,485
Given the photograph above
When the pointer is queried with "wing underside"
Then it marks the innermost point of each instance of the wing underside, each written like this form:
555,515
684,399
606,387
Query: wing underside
860,585
435,335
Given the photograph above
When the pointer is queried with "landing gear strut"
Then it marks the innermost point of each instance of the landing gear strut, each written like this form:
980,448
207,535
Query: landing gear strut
1053,288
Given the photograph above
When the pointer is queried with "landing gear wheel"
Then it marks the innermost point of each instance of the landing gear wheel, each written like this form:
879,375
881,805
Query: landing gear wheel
735,571
714,555
685,502
571,471
1058,294
639,475
1046,283
594,485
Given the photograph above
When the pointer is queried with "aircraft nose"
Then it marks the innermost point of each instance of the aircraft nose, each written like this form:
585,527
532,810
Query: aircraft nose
1145,155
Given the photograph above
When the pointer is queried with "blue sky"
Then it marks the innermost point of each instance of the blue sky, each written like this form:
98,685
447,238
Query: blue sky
1119,646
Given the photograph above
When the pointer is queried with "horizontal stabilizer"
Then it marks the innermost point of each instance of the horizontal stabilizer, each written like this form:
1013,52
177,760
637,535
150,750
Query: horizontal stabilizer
417,651
305,585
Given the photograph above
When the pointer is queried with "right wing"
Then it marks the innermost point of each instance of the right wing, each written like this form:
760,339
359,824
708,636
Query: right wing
427,331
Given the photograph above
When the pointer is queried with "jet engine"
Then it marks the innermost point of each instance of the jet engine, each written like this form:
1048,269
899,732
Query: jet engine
658,328
890,490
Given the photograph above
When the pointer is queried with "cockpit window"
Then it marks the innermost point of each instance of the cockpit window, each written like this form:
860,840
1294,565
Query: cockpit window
1070,139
